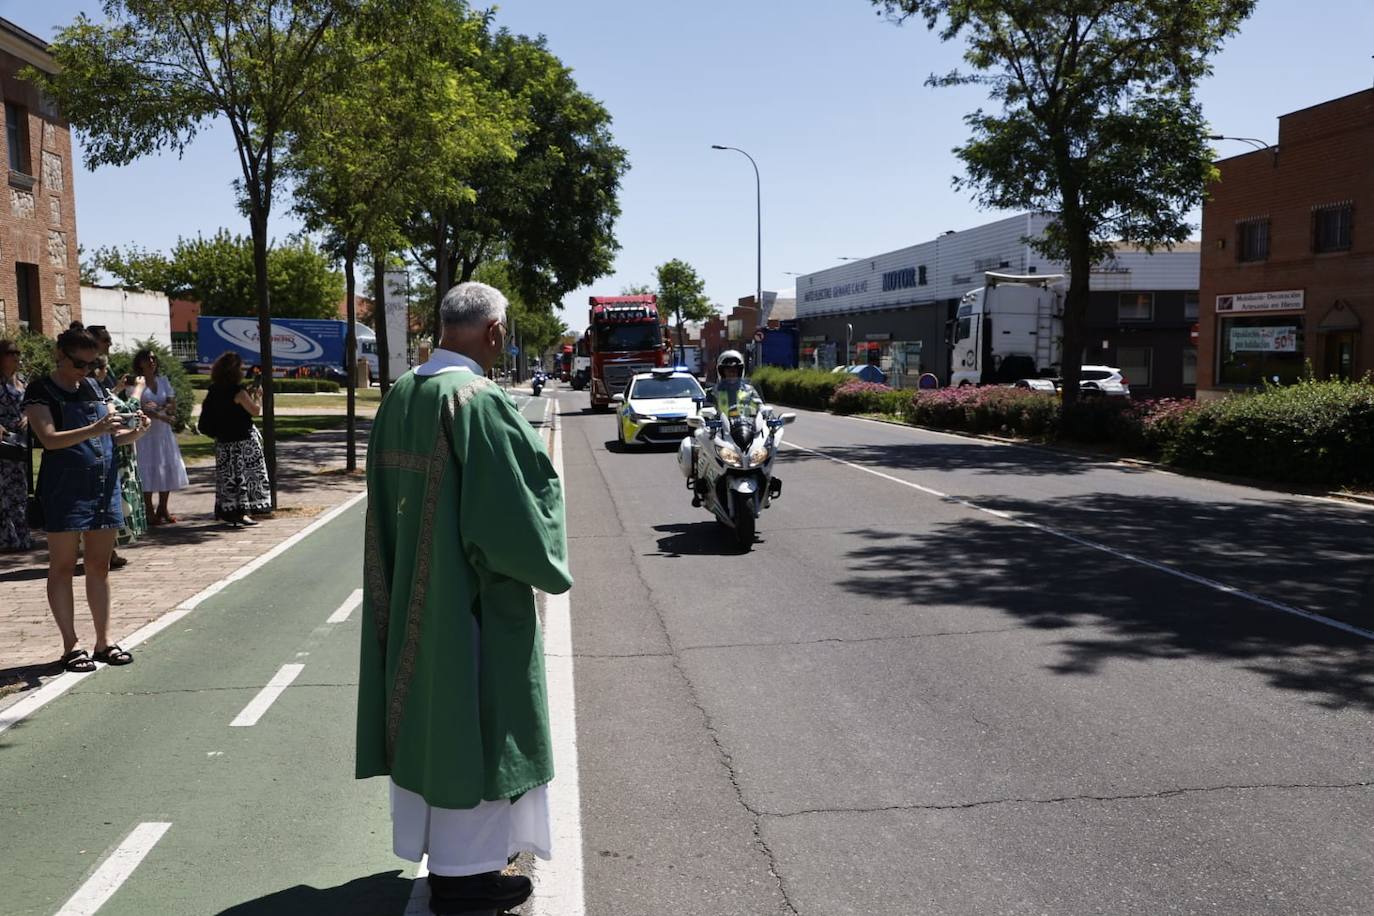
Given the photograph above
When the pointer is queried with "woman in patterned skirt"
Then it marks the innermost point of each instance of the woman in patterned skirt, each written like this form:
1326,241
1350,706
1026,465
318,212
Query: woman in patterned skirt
126,392
241,486
14,484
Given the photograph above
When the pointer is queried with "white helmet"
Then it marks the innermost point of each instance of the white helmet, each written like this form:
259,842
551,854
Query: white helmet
730,358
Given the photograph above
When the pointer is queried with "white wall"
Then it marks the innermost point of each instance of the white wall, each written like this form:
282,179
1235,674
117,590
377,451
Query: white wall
955,263
129,316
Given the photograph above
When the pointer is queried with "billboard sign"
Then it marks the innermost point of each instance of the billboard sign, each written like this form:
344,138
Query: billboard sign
1264,340
295,341
1286,300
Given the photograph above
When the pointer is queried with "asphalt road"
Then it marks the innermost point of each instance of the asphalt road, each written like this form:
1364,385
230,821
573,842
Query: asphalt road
899,703
951,677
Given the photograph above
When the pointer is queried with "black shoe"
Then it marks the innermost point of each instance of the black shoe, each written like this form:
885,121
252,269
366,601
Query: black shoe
118,562
477,893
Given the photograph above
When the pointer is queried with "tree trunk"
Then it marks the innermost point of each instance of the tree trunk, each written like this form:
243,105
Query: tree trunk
441,275
1075,316
379,307
258,221
681,346
351,356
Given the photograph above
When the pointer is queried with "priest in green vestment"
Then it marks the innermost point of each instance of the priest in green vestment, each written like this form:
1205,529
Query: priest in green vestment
464,520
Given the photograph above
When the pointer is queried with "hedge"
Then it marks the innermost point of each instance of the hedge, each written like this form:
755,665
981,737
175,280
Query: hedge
282,385
810,388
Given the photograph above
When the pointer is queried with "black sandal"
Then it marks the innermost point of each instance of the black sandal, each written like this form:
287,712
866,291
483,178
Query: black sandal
77,660
113,655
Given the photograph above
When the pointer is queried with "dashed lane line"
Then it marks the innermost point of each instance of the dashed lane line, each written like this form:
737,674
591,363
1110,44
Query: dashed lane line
267,696
1107,549
354,600
114,871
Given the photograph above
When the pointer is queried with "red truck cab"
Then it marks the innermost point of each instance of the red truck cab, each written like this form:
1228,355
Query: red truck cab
625,337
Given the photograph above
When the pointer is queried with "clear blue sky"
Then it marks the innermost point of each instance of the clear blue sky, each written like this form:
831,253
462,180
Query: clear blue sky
828,97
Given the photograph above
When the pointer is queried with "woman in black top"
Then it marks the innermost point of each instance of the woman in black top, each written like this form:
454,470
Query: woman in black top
241,487
78,487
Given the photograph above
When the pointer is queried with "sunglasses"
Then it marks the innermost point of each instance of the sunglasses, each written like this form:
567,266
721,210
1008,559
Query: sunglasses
79,363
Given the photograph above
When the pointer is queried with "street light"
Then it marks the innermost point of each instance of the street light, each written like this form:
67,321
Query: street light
848,341
758,202
1259,145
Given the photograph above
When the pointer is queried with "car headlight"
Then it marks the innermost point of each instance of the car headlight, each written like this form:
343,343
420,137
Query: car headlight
758,454
729,456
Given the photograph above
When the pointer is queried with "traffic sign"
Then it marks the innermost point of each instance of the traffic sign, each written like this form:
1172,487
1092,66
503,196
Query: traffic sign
514,351
758,336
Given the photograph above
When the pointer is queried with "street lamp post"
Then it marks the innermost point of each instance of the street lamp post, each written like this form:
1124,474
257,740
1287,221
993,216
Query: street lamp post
758,203
1259,145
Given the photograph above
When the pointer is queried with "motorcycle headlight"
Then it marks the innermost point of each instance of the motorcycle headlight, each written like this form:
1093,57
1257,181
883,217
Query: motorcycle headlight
729,456
758,454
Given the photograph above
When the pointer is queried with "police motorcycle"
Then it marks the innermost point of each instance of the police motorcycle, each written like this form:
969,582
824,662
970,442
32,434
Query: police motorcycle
537,381
728,459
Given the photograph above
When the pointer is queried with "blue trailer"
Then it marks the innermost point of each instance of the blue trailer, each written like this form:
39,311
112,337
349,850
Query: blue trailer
295,341
780,347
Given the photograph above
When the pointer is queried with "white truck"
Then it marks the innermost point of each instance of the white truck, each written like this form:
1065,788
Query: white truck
1011,328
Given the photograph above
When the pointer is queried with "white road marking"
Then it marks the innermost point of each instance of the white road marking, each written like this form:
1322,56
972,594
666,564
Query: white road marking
267,696
114,871
69,679
558,882
339,616
1104,548
418,905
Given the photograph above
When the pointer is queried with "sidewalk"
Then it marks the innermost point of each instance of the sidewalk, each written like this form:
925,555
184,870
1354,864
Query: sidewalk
171,563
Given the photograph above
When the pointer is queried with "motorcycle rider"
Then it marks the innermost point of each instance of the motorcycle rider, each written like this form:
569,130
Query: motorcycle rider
734,396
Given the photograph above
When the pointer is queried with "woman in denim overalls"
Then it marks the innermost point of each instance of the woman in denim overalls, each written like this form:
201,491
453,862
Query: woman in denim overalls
78,486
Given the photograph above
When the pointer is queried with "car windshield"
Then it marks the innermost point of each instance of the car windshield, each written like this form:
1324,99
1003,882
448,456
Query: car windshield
616,337
647,389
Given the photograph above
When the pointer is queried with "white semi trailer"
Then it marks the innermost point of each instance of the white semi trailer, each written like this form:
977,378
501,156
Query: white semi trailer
1011,328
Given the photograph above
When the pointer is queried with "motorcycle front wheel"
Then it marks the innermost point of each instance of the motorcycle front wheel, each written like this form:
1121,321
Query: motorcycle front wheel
745,523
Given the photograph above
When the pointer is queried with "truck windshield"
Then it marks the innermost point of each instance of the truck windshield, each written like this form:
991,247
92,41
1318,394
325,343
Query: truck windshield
651,388
615,337
965,329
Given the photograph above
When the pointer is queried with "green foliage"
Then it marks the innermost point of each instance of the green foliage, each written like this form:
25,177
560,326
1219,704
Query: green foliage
218,273
637,289
855,397
809,388
995,410
550,211
682,293
537,328
36,354
1309,433
121,361
1100,123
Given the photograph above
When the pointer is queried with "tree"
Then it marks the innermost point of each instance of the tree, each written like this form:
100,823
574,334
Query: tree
1100,123
394,124
637,289
90,271
148,78
533,329
550,211
683,294
218,273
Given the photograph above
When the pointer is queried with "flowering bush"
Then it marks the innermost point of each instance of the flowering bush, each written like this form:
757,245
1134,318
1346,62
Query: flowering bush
987,410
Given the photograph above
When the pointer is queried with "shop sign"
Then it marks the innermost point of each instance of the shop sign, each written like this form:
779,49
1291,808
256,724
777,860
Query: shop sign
1261,302
838,291
884,336
1264,340
899,279
813,338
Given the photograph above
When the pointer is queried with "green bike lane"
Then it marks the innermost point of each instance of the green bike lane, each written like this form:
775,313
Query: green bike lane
263,819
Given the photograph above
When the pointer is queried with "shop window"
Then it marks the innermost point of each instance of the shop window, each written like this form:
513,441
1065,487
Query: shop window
26,284
1190,366
1331,228
17,137
1190,309
1253,350
1135,307
1134,363
1252,240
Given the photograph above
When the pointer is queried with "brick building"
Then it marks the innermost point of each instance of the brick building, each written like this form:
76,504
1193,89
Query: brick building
40,285
1288,253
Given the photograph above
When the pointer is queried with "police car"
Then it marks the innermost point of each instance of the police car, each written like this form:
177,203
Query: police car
655,407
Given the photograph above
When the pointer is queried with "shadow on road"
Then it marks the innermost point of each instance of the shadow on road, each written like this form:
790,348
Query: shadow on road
700,539
1318,558
384,892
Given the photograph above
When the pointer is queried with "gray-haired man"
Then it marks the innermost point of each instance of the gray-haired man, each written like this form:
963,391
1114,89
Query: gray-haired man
464,519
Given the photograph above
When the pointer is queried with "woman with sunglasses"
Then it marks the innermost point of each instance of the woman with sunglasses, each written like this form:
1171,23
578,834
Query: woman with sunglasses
78,488
159,457
14,483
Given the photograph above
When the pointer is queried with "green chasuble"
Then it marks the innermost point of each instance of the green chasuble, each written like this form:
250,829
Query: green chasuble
464,518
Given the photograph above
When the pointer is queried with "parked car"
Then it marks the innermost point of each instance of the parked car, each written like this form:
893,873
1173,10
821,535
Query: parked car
1104,381
1047,385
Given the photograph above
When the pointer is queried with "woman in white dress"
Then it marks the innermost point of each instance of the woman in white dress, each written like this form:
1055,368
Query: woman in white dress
159,458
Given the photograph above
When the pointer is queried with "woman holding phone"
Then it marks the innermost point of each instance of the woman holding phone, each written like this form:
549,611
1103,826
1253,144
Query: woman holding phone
78,489
159,457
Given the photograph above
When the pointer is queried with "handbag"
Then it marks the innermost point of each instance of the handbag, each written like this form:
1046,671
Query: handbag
209,415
